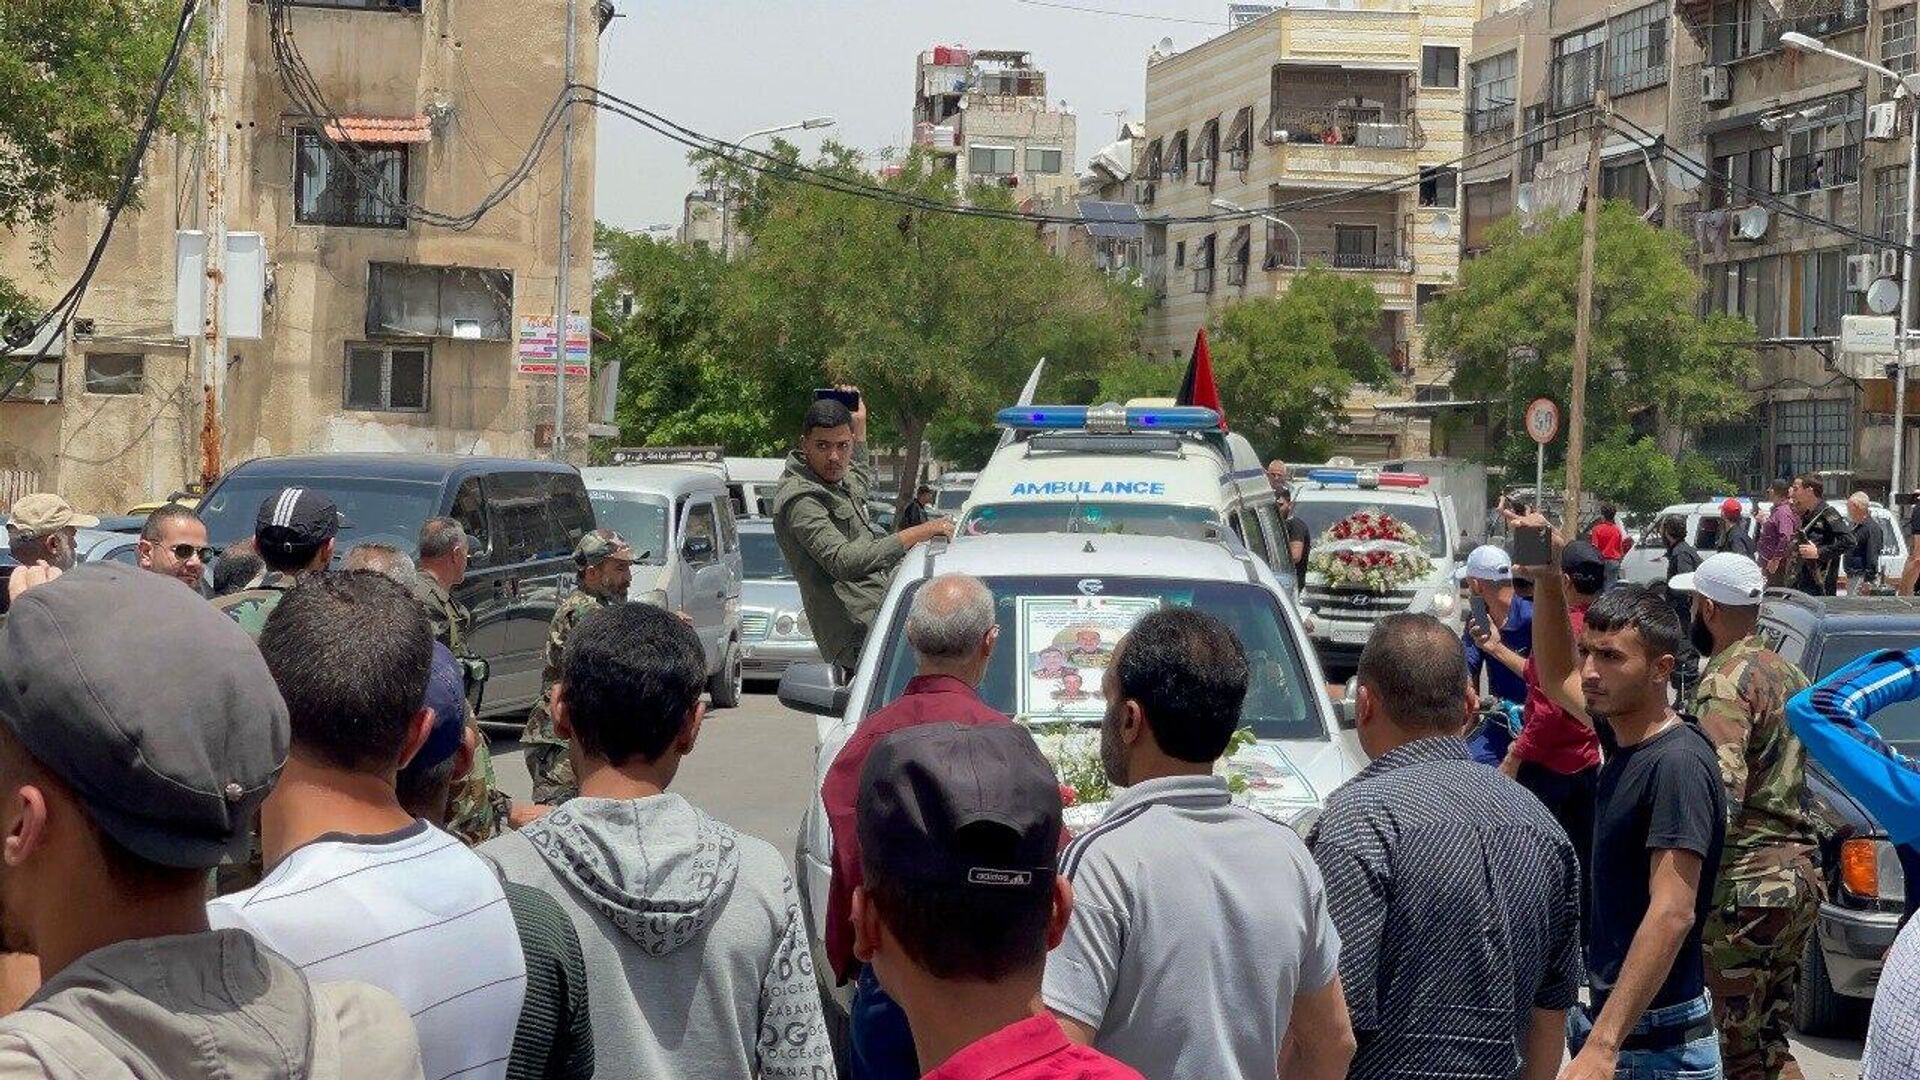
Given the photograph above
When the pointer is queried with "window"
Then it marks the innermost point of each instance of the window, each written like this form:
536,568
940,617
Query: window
115,373
522,527
1439,65
1177,157
1741,28
1203,265
357,184
1422,296
383,378
409,300
702,525
366,5
1576,67
1356,247
1240,140
41,386
1823,150
1439,187
1890,196
1206,152
1844,15
572,510
1180,254
1239,255
1255,536
1484,205
1896,44
1627,182
1491,93
470,510
1150,165
1812,436
1637,50
1043,159
990,160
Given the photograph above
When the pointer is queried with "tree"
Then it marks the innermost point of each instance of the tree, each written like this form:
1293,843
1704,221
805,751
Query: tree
1654,361
937,317
1285,364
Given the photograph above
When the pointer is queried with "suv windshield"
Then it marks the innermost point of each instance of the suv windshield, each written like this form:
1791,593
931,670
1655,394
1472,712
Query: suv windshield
951,499
1319,515
1057,634
371,509
1898,722
1139,519
764,561
641,520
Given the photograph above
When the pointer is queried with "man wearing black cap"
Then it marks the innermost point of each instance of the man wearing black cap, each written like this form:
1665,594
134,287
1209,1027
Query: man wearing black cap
960,902
293,534
121,785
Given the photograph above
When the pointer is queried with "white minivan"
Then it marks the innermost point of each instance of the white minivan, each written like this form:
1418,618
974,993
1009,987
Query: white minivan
1646,563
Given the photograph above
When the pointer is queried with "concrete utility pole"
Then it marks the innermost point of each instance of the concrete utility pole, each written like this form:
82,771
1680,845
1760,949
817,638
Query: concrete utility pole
1583,320
213,338
561,313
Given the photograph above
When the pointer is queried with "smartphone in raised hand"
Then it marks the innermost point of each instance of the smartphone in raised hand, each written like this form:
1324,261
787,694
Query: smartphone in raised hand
1532,546
849,398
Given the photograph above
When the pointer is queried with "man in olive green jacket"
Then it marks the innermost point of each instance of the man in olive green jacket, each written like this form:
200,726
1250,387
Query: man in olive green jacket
820,519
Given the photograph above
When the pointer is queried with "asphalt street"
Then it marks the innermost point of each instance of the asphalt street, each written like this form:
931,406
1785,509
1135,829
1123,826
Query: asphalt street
753,768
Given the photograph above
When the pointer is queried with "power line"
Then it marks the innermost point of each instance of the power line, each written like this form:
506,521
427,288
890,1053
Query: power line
1122,14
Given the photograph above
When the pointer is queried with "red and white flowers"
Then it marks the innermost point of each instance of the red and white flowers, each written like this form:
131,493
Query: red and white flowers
1370,550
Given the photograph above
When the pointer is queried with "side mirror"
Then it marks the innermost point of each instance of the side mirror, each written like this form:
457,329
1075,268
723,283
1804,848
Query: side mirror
814,689
1346,711
698,548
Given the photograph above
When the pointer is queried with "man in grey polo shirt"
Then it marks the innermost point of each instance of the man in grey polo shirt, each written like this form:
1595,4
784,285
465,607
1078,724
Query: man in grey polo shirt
1200,943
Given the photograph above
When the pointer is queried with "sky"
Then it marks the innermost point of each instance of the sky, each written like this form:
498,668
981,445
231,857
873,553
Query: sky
728,67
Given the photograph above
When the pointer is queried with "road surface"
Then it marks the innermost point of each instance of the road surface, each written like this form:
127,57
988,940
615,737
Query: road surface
753,768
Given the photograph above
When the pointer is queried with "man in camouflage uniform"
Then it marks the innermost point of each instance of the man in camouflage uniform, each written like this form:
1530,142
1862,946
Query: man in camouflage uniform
293,534
1767,895
606,570
479,809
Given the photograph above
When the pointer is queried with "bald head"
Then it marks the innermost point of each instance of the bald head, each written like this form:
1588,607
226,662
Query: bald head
951,628
381,559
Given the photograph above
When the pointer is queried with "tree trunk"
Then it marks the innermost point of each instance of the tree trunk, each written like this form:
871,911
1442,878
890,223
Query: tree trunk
913,431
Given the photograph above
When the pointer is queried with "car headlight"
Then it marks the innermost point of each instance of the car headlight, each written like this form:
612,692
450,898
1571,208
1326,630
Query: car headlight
1871,869
784,625
1444,602
789,624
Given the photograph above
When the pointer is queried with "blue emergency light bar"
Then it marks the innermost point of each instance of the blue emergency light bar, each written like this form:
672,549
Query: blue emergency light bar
1367,478
1108,418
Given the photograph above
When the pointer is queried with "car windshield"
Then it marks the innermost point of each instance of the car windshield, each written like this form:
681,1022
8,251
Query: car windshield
1319,515
1057,634
951,498
1139,519
1898,722
764,561
372,510
641,520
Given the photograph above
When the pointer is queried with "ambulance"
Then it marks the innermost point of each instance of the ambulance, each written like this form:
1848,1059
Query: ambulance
1150,470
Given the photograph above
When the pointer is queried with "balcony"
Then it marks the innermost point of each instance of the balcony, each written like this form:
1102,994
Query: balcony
1366,127
1285,258
1832,167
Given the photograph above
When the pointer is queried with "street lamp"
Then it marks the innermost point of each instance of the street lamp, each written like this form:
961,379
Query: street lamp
1236,208
1908,86
726,193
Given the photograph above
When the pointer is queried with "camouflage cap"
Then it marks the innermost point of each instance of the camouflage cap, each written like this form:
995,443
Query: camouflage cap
602,544
38,515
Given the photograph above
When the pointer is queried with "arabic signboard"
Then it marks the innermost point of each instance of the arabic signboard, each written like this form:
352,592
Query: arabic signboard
1868,335
668,455
536,346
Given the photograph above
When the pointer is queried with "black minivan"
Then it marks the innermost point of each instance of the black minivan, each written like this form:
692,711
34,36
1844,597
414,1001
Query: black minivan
522,520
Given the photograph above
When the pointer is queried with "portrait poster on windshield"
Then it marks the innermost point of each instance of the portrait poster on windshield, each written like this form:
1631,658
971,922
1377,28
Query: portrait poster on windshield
1065,644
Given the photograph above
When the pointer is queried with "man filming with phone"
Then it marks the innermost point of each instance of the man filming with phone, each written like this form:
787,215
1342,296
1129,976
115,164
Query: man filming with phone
820,519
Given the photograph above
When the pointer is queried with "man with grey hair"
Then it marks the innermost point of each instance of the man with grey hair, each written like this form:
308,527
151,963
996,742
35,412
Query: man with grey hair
381,559
950,624
1863,554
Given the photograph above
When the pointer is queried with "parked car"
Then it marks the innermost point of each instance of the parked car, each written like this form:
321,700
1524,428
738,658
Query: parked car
1050,587
522,520
751,483
680,522
1866,891
1647,562
774,632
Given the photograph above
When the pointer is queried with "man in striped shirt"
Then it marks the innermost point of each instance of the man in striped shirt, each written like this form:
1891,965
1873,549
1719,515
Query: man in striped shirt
356,887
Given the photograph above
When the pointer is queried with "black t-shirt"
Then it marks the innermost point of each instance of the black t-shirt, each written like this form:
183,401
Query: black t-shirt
1659,795
1913,521
1297,532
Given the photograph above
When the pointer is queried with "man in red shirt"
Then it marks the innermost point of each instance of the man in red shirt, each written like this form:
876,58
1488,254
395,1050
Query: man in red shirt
950,624
961,901
1610,540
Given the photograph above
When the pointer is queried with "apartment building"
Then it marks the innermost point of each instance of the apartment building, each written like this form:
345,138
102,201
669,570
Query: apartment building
986,114
1765,159
379,332
1308,110
703,221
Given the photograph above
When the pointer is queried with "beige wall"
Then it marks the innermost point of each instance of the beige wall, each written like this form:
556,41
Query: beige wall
488,73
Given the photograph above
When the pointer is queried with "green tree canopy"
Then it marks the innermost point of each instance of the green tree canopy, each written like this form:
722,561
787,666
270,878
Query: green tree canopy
1285,364
1654,359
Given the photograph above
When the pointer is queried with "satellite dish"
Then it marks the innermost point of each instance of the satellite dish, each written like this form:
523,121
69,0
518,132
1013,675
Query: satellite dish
1752,223
1166,44
1340,462
1442,226
1682,179
1883,296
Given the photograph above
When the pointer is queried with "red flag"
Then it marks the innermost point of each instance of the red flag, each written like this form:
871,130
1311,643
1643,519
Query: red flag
1197,387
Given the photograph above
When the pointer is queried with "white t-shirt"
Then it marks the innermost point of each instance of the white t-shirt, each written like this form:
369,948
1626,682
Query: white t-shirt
413,912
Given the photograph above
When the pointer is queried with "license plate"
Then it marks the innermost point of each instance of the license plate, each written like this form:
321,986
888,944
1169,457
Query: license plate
1348,633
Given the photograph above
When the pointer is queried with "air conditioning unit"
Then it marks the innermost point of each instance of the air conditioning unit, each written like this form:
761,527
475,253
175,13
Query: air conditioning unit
1881,121
1203,171
1381,136
41,386
1716,84
1143,191
1890,263
1861,270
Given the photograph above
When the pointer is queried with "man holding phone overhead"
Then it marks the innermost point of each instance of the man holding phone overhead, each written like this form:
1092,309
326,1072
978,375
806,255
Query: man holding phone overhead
820,520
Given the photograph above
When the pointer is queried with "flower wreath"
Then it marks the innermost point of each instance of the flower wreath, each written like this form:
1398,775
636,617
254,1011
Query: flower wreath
1370,550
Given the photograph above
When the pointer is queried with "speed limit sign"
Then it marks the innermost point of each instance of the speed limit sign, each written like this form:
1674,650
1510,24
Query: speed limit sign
1543,420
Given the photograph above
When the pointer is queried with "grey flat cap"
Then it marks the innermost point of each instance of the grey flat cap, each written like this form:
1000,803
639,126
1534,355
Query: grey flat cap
154,707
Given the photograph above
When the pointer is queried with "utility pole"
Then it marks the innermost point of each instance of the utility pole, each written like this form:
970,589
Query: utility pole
213,338
1583,320
561,313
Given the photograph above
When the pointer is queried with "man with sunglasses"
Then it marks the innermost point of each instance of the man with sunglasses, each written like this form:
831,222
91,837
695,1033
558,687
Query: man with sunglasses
174,542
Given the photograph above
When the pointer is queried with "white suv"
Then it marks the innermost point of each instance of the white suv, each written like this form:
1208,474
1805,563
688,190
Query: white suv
1050,589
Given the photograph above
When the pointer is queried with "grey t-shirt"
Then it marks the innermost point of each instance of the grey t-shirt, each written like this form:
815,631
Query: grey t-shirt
1195,923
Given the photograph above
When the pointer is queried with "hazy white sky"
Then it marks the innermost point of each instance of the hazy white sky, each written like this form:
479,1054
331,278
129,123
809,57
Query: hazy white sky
727,67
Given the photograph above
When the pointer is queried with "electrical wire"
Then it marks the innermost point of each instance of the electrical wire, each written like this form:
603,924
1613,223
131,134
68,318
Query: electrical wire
63,309
1123,14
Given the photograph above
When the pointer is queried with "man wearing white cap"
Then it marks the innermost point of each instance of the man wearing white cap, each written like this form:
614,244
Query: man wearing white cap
1768,889
1488,577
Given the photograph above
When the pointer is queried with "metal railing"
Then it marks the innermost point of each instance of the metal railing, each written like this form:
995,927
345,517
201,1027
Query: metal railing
1493,118
1345,125
1827,168
1283,257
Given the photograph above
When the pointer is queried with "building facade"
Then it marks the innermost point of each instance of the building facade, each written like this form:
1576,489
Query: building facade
1346,121
985,113
1762,157
379,332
